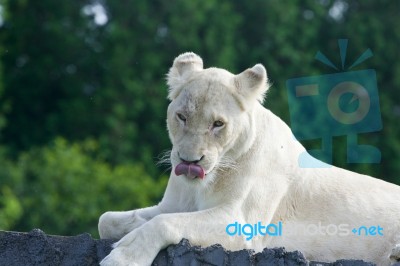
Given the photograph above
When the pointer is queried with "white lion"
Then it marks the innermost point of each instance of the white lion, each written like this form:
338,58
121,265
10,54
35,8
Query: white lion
235,163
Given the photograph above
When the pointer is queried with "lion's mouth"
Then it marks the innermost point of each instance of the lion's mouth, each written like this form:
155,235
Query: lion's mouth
191,170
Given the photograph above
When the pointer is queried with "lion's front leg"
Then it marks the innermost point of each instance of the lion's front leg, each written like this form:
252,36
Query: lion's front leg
115,225
141,246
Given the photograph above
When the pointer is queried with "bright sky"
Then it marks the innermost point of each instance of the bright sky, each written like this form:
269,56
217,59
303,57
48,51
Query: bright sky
336,11
98,11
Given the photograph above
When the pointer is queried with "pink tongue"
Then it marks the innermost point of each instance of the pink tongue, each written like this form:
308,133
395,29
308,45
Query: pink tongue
190,170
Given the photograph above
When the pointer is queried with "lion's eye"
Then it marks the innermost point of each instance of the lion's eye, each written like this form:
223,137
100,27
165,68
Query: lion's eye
181,117
218,123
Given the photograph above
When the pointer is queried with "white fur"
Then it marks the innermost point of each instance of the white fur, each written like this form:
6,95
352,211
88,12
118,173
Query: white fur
252,175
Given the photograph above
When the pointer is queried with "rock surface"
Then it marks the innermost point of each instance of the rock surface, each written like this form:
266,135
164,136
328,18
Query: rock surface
37,248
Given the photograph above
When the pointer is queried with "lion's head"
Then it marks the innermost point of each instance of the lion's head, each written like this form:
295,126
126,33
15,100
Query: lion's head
210,115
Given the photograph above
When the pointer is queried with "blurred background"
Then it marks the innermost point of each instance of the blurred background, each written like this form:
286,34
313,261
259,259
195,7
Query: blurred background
83,93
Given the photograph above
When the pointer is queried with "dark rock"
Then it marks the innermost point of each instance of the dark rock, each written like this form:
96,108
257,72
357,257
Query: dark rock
37,248
343,263
243,257
278,256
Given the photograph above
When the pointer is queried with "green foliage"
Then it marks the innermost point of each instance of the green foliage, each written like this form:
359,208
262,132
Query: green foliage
10,208
62,190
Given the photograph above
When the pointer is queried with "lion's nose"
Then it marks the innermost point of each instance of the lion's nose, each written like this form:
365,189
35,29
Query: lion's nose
187,160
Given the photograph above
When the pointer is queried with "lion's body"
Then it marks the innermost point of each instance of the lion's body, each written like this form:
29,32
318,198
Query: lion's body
252,174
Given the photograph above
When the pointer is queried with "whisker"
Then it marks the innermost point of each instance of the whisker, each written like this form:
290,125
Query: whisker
164,158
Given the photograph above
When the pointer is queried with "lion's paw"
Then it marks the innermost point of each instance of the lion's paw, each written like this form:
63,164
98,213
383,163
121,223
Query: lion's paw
133,249
119,257
115,225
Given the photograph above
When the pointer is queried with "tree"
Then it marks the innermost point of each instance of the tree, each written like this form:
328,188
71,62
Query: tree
63,190
51,62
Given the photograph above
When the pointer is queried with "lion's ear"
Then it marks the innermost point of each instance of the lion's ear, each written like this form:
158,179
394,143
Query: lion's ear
252,83
182,66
